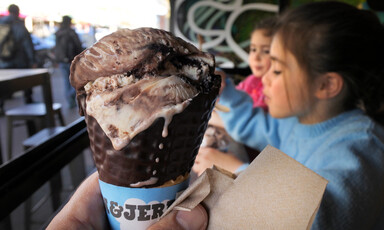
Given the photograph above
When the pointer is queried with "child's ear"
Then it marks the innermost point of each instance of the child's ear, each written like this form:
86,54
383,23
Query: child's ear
329,85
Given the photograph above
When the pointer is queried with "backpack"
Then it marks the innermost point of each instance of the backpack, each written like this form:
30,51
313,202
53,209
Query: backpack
7,42
66,48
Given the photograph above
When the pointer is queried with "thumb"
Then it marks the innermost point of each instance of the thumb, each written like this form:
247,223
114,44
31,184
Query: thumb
196,219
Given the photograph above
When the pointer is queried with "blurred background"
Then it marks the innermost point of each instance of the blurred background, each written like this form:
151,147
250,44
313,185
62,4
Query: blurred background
223,25
92,19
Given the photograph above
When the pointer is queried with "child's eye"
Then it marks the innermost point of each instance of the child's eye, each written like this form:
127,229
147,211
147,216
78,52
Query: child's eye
276,72
266,51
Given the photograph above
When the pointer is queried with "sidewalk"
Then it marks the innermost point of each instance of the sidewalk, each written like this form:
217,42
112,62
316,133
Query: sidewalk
20,134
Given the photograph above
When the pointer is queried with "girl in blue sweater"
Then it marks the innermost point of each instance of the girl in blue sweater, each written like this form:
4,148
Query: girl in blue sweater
325,96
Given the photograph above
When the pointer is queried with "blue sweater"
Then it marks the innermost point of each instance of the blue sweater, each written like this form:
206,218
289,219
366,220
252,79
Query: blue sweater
347,150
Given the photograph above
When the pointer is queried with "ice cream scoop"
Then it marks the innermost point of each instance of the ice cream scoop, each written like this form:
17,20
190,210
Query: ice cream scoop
147,96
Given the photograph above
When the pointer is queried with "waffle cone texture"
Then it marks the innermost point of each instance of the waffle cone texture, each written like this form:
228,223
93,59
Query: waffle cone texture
149,154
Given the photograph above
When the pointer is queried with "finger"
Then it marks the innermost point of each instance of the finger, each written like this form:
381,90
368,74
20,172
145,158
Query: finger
197,158
196,219
85,209
206,150
206,155
202,152
197,170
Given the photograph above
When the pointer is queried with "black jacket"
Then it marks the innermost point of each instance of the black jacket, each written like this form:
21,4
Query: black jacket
68,45
25,53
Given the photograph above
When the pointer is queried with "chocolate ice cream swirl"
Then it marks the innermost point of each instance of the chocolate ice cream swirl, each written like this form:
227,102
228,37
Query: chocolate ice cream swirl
139,52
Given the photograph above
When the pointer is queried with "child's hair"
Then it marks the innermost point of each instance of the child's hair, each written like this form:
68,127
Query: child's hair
268,24
336,37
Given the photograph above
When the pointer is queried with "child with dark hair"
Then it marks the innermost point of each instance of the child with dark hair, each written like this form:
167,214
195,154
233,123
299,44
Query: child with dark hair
325,100
259,61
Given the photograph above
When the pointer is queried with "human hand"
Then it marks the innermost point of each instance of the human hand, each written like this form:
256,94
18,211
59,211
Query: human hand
207,157
85,210
215,120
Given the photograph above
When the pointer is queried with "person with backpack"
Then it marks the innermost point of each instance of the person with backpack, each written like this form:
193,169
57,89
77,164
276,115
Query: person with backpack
68,45
19,42
16,47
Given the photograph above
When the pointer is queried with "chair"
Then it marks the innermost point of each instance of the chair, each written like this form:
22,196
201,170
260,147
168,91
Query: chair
26,173
34,112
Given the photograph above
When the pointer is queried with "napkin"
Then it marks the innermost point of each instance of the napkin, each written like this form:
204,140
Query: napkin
274,192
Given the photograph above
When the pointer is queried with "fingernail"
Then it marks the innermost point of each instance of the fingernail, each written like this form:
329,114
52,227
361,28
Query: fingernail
193,220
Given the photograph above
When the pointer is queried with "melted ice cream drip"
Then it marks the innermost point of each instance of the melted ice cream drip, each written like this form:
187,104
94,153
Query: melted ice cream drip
124,106
152,180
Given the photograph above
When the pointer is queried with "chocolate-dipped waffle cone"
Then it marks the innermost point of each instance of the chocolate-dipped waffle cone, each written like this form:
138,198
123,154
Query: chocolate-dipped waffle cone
147,97
150,159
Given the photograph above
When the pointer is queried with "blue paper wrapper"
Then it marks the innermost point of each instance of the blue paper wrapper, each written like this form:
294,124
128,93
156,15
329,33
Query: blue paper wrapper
137,208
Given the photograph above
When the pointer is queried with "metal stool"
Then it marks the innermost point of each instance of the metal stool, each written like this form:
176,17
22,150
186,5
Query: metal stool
30,112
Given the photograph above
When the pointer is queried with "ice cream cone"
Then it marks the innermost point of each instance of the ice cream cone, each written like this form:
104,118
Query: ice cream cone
147,97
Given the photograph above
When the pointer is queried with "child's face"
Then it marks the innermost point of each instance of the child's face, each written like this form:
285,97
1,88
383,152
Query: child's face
258,58
286,91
